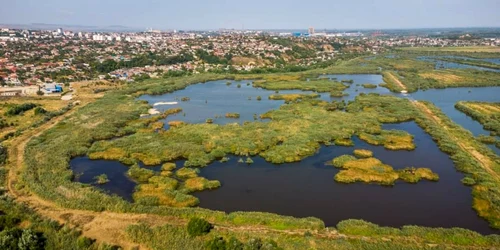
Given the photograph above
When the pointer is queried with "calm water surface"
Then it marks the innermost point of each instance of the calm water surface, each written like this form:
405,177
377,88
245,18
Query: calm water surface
440,64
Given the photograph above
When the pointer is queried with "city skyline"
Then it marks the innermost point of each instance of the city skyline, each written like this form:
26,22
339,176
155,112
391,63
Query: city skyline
198,15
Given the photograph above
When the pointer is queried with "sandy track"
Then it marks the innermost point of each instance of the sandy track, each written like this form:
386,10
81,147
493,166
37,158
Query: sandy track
396,80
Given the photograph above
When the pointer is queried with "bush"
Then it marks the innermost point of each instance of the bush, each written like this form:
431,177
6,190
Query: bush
369,86
198,227
486,139
216,243
40,110
468,181
234,244
7,221
3,155
101,179
30,241
84,242
18,109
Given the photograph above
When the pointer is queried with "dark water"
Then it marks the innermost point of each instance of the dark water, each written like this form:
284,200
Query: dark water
307,188
119,184
440,64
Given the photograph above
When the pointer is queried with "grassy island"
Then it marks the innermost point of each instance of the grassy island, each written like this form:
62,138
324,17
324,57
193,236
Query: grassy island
372,170
363,153
317,85
293,97
232,115
488,114
369,86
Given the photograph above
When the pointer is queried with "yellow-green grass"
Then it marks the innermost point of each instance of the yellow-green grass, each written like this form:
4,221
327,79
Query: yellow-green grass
199,184
232,115
391,139
457,78
318,85
372,170
293,97
486,113
414,175
369,86
161,189
28,118
186,173
175,124
363,153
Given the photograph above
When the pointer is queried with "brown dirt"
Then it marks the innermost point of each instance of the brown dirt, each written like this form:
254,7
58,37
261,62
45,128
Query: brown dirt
397,81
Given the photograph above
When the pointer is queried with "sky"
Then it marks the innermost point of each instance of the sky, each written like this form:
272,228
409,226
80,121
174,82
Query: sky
255,14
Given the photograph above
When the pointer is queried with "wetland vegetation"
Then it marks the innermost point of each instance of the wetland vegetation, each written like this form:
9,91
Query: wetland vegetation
372,170
293,132
488,114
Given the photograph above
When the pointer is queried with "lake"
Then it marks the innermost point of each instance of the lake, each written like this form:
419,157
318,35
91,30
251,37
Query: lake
440,64
307,188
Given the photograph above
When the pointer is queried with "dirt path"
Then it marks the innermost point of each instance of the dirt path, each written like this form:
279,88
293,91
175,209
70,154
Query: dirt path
484,160
397,81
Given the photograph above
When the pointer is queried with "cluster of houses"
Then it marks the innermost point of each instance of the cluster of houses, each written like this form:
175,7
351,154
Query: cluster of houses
35,58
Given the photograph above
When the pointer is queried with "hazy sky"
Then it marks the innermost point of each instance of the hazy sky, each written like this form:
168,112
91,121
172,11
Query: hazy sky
255,14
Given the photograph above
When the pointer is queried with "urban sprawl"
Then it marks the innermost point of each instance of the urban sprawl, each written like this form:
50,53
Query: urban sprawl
43,62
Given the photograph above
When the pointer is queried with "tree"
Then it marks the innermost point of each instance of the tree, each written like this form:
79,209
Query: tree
30,241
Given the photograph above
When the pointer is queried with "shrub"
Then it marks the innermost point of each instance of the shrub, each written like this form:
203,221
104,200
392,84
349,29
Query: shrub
486,139
18,109
3,155
84,242
8,221
140,174
249,160
101,179
468,181
39,111
341,160
198,227
234,244
216,243
253,244
232,115
369,86
30,241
